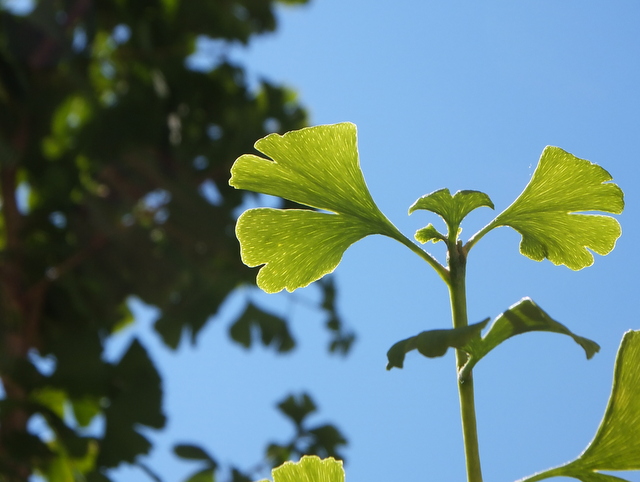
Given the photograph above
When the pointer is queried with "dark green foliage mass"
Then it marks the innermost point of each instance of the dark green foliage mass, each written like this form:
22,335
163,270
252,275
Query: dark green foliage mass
114,168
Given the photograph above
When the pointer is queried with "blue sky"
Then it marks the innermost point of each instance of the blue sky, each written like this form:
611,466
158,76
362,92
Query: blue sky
463,95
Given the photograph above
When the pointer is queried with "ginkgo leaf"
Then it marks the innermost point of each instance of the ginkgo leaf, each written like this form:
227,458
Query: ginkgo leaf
616,445
429,233
521,317
318,167
546,213
453,209
310,469
434,343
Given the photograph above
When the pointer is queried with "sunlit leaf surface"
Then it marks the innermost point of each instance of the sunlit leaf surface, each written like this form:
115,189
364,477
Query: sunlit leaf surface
616,445
317,167
522,317
453,209
546,213
310,469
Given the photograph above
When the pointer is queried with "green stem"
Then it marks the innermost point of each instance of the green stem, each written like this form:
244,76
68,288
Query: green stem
458,296
441,270
478,236
546,474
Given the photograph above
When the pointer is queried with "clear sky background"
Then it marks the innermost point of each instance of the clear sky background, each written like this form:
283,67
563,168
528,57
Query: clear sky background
458,94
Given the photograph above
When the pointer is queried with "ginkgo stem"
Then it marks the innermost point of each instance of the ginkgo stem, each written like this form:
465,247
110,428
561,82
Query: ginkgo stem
546,474
441,270
458,297
478,236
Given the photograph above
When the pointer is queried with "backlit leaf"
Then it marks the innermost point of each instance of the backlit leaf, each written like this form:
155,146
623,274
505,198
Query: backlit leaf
453,209
616,445
522,317
310,469
316,167
429,233
546,213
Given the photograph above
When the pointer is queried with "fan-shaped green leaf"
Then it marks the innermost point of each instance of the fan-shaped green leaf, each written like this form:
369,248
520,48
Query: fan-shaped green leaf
310,469
522,317
545,213
616,445
318,167
297,247
452,209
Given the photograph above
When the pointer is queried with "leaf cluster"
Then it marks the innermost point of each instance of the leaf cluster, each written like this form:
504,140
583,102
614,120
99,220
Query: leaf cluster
319,167
115,146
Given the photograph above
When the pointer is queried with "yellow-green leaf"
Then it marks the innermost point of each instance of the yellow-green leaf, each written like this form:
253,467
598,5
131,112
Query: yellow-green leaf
522,317
317,167
616,445
546,214
310,469
453,209
297,247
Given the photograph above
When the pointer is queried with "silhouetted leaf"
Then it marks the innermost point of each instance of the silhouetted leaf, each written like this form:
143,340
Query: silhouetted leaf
237,476
136,401
341,339
325,441
273,329
434,343
193,452
297,408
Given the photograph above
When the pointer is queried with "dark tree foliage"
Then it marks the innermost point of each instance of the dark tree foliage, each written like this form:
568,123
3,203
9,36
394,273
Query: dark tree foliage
114,167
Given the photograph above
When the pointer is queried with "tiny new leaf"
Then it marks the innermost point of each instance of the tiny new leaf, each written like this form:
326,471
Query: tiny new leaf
453,209
310,469
429,233
522,317
318,167
616,445
545,214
